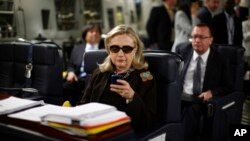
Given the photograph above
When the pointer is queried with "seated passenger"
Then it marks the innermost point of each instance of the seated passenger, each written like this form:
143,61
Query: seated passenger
135,91
204,76
75,79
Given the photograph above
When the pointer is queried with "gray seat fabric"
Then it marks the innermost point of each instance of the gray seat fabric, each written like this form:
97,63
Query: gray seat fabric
46,75
226,110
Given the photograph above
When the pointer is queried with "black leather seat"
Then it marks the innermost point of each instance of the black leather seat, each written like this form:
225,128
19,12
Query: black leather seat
166,68
46,75
227,110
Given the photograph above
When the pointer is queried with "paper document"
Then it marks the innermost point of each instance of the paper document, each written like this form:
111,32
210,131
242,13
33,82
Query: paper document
86,119
13,104
86,110
35,114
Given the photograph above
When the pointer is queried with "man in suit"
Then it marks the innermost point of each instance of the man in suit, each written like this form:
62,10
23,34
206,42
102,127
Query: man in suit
76,77
214,80
227,26
206,13
160,25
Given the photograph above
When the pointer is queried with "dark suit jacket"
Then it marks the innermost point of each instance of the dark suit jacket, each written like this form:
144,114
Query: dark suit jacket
219,27
76,57
204,15
217,74
159,28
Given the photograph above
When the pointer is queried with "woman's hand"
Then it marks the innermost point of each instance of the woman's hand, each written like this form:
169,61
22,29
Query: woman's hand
123,89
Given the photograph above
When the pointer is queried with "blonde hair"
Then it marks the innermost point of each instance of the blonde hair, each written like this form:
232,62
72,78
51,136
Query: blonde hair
138,60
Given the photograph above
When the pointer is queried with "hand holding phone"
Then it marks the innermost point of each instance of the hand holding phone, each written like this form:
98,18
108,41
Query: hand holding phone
114,78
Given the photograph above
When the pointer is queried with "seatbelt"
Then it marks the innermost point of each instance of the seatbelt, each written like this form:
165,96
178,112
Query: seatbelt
28,70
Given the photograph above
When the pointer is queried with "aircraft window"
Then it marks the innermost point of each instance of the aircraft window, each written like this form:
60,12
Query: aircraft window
7,22
92,11
65,14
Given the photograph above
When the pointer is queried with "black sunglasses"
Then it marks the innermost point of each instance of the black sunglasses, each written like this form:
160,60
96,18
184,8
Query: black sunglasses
125,49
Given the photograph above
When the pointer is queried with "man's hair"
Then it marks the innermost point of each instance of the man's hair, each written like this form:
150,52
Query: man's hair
205,25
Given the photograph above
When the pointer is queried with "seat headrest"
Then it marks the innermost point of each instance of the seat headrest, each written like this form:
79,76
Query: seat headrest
92,58
6,52
43,54
233,53
165,66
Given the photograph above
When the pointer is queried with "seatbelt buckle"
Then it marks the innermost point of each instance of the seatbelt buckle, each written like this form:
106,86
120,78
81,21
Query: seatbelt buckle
28,70
210,110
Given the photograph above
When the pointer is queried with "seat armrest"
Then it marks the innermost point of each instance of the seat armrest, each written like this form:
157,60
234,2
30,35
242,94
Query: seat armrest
33,94
170,131
224,110
36,97
224,102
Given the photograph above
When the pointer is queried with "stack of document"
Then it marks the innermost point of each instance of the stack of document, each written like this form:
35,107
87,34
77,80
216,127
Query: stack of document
88,119
83,120
13,104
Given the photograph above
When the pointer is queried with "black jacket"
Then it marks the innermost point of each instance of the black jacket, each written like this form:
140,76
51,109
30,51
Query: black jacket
159,28
219,27
204,15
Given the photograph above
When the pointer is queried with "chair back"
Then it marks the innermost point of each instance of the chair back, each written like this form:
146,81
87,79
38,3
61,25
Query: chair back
92,59
166,67
227,110
46,74
234,55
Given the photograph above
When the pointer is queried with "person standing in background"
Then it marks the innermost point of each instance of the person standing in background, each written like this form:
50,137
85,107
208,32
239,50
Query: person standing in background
227,27
160,25
207,12
76,77
184,21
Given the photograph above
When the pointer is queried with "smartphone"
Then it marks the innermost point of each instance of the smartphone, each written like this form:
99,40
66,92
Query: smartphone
114,78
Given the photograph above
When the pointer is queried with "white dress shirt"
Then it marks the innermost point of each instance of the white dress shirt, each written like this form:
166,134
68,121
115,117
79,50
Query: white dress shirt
188,80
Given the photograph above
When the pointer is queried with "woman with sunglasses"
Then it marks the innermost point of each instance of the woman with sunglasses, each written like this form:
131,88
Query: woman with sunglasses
135,89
